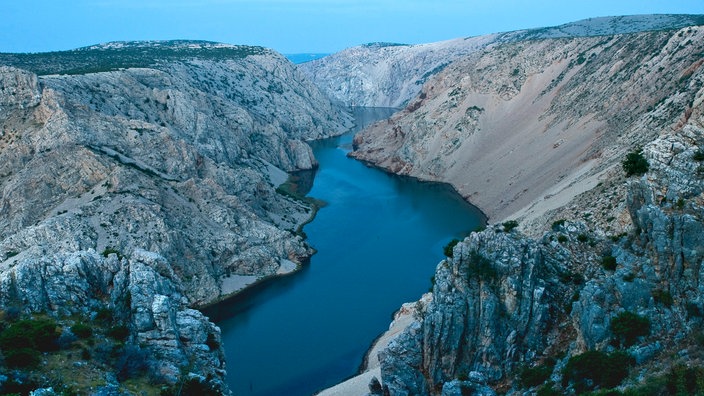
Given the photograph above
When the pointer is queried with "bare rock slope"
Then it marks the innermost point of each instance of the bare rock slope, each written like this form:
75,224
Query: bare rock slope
390,75
520,314
606,293
147,190
529,125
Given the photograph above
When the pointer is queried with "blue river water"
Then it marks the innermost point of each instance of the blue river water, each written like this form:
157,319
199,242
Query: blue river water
379,240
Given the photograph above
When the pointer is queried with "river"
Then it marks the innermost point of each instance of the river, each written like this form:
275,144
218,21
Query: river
379,239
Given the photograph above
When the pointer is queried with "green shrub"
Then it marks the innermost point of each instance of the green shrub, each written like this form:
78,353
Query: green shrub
608,263
108,251
596,369
118,333
693,310
534,376
679,381
685,380
562,238
698,155
629,277
82,331
571,277
38,334
22,341
191,387
627,327
547,390
104,315
635,163
22,357
557,224
448,248
510,225
662,297
481,268
583,238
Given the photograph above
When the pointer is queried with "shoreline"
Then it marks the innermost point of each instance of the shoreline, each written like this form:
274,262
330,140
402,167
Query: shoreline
444,184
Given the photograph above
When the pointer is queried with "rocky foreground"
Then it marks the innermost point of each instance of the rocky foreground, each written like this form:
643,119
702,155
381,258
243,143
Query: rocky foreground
601,287
133,194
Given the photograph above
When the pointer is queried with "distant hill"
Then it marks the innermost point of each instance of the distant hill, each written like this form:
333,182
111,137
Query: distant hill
125,54
389,75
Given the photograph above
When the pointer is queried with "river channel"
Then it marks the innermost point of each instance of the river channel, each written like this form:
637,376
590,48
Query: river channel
379,239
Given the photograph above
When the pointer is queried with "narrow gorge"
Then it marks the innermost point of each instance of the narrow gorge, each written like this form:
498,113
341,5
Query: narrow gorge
587,278
142,182
133,194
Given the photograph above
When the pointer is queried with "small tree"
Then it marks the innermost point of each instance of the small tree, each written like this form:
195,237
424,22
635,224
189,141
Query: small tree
510,225
635,163
628,326
595,368
608,263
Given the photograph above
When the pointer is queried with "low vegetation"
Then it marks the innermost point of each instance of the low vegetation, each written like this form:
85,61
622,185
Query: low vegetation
595,369
628,326
635,163
130,55
74,357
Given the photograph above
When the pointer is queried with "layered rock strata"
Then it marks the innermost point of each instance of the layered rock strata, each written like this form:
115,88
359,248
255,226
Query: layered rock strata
148,190
506,302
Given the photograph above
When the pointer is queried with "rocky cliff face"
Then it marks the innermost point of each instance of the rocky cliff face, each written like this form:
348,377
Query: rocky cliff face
526,126
148,190
507,307
504,302
390,75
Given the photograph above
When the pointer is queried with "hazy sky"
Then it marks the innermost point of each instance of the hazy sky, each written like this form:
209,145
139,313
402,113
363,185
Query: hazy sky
293,26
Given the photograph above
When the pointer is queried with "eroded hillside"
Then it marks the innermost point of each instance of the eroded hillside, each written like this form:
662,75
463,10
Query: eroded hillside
606,291
390,75
147,192
529,125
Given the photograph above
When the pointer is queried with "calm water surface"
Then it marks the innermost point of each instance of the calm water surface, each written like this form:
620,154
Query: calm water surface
379,240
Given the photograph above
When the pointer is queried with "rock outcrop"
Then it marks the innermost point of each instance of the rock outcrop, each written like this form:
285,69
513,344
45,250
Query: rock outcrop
505,304
145,190
390,75
522,128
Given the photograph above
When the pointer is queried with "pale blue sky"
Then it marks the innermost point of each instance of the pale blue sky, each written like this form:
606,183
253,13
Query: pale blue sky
293,26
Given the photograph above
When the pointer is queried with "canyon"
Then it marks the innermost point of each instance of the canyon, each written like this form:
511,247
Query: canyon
144,180
535,133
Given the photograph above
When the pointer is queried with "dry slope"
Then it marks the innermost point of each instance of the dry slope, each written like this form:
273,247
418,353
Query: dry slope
142,191
540,120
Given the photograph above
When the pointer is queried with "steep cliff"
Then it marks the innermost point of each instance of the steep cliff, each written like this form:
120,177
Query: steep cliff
505,304
529,125
390,75
578,307
150,190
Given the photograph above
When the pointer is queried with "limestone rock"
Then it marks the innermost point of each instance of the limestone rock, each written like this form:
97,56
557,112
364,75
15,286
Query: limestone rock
523,127
505,301
144,189
391,74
